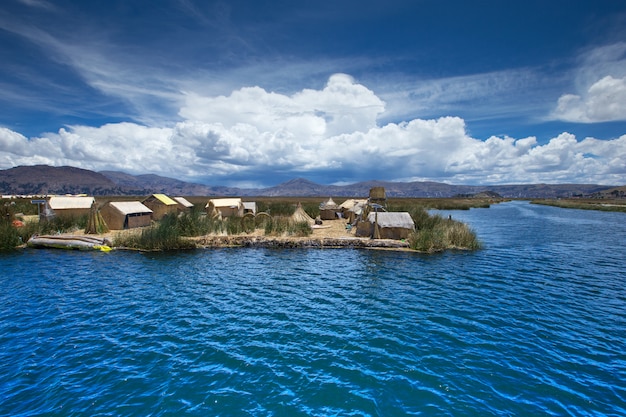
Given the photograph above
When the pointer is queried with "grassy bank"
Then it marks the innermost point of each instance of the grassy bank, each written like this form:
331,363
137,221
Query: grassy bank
286,205
434,233
175,232
581,204
398,204
12,235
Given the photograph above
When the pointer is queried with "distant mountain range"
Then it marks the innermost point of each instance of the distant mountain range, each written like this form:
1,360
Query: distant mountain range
44,179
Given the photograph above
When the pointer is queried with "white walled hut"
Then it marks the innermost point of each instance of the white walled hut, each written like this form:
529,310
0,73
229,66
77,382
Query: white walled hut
329,210
386,225
69,206
225,207
119,215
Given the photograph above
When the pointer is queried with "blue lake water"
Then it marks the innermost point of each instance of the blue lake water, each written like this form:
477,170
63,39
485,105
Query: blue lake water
534,324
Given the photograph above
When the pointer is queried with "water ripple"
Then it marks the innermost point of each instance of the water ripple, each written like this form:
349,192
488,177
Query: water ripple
532,325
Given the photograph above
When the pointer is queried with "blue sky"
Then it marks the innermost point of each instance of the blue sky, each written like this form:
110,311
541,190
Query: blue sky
254,93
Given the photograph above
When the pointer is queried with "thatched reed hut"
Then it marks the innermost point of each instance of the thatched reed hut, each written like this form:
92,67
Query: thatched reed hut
161,205
329,210
225,207
351,209
183,204
69,206
120,215
378,196
249,207
386,225
300,216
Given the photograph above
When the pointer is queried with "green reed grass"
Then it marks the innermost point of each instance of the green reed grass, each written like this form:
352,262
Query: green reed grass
610,205
408,204
434,233
12,237
276,208
197,223
173,232
301,229
9,237
19,205
163,235
62,224
276,226
311,208
283,226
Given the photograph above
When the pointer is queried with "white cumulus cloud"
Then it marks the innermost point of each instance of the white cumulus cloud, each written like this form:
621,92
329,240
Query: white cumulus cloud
332,132
604,101
343,106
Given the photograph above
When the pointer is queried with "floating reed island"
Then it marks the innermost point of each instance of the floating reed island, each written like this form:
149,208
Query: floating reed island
299,242
437,235
160,223
415,229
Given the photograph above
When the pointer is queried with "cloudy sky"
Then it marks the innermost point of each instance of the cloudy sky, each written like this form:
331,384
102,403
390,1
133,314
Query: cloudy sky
254,93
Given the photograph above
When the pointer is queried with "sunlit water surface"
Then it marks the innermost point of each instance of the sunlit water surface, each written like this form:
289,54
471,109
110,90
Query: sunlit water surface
534,324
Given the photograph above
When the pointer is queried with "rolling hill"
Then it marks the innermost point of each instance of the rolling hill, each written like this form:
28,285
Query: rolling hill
44,179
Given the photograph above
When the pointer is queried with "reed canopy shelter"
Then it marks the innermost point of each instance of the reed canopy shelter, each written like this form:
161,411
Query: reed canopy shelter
386,225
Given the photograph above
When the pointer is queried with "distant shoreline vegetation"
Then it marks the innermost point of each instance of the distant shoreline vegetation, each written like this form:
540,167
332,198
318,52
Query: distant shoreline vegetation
175,232
584,204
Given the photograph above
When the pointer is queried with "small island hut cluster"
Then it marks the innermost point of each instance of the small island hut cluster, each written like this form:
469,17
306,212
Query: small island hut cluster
367,217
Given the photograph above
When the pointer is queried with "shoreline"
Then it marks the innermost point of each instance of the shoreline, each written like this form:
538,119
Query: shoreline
215,241
333,235
79,242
